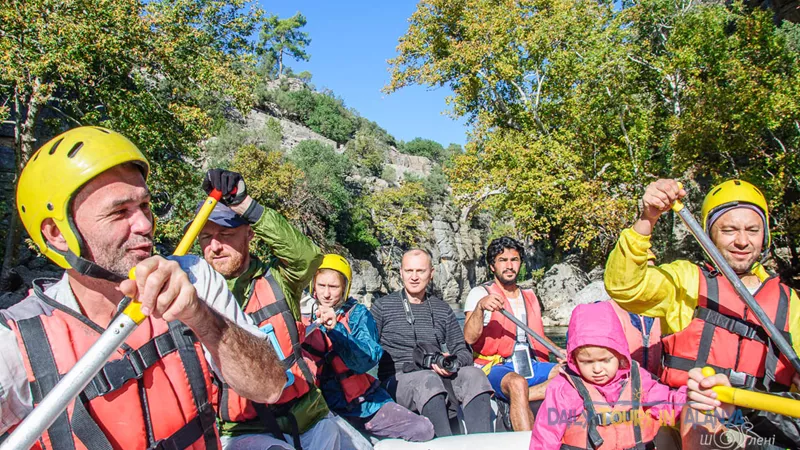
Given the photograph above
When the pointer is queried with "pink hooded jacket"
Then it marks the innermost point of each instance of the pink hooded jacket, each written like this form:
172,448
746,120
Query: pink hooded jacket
595,324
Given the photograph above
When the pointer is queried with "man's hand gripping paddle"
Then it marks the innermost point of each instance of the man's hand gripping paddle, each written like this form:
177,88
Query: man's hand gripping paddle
755,400
719,262
75,381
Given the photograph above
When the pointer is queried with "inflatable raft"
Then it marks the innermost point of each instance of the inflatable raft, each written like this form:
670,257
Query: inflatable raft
519,440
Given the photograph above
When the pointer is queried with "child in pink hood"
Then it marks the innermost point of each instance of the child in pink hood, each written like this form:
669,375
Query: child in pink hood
599,365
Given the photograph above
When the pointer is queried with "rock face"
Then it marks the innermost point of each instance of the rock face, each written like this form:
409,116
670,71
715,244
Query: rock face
593,292
419,166
456,250
560,285
292,133
367,282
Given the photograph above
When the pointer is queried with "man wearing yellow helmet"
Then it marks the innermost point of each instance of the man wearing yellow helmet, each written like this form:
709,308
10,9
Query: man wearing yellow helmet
83,199
696,304
344,348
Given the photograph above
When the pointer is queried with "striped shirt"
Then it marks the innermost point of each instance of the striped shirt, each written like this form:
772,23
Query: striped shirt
434,322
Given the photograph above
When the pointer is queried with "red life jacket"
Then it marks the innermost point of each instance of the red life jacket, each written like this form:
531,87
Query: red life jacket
645,347
739,347
267,304
500,334
625,425
330,365
152,393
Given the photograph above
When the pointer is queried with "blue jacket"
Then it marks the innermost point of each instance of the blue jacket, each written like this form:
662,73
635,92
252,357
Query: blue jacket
360,351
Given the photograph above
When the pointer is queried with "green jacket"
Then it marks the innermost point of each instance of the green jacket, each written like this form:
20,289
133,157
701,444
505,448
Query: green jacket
294,261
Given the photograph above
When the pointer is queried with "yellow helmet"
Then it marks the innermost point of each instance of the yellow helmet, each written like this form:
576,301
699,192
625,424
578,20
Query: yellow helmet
57,171
338,263
732,193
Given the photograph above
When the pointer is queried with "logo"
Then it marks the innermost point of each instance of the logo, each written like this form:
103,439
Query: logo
734,433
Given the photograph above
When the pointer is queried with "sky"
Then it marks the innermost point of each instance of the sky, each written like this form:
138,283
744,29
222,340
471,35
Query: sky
351,41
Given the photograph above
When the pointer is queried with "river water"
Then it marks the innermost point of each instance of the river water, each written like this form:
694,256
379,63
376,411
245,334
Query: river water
557,334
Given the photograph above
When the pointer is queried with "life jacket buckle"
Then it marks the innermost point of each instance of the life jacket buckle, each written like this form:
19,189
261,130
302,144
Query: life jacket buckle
610,418
116,373
739,379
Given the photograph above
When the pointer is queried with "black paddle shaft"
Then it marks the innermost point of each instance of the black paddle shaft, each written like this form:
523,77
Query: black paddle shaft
553,349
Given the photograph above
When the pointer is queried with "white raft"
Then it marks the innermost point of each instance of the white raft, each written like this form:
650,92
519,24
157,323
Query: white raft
519,440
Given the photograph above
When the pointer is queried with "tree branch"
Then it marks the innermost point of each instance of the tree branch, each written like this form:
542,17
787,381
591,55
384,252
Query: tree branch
467,210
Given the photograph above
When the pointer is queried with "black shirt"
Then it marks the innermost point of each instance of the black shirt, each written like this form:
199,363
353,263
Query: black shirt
434,322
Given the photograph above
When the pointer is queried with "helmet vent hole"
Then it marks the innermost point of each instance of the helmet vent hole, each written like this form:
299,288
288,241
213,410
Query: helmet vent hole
49,206
54,147
102,129
22,208
74,149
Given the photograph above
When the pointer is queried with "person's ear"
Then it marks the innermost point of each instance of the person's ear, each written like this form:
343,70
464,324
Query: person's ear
250,234
52,234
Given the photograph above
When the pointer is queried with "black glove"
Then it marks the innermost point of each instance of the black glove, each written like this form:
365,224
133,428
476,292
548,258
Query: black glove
231,184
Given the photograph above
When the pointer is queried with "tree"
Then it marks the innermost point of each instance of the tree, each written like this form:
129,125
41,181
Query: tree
425,147
157,72
282,37
367,151
275,182
397,214
330,118
577,106
325,172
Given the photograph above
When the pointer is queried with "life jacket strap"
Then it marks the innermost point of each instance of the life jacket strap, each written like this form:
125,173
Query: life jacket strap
132,366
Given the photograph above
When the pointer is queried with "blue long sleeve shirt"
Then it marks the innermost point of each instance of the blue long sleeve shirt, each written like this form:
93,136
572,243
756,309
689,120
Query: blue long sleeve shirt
360,350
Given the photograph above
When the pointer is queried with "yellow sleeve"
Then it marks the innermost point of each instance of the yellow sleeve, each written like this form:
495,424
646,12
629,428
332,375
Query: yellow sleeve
668,291
794,320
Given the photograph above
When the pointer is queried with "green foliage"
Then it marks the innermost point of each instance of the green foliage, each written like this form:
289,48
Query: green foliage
397,214
356,230
221,149
577,106
271,180
522,275
282,37
274,127
791,33
160,72
299,104
322,112
389,174
435,184
325,171
425,147
368,152
370,127
330,118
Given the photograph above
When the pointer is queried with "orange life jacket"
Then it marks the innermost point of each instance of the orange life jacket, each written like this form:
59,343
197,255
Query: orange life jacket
267,305
645,346
500,334
625,425
152,393
330,365
741,348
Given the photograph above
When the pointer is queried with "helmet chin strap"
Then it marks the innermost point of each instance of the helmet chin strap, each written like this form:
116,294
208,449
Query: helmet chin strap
90,269
83,265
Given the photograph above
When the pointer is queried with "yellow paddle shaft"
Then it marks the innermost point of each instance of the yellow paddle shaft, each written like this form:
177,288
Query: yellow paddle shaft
755,400
134,309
